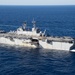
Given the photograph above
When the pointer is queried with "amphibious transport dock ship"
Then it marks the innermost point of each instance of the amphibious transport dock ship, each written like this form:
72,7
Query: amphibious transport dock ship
36,39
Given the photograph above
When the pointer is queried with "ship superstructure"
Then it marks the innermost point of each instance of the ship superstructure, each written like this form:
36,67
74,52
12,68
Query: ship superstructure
34,31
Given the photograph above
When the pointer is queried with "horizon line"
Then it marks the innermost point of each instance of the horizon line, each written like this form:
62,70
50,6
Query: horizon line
40,5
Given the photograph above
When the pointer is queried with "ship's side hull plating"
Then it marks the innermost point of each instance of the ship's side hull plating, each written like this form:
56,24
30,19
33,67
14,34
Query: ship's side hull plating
56,45
15,41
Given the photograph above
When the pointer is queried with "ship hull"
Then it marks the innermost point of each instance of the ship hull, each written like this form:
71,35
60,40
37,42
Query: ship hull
53,45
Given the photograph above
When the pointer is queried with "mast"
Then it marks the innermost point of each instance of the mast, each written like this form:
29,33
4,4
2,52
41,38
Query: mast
34,23
24,25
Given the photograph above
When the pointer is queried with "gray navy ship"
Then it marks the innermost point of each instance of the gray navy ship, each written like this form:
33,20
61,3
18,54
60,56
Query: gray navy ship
36,39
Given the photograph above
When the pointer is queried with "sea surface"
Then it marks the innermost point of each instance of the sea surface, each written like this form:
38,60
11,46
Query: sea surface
57,20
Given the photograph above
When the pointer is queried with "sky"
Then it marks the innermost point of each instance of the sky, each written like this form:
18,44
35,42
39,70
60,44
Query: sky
37,2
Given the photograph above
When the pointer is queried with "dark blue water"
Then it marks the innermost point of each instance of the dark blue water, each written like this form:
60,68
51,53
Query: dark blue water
58,21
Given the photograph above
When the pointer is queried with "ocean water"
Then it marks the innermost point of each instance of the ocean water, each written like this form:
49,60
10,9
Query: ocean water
57,20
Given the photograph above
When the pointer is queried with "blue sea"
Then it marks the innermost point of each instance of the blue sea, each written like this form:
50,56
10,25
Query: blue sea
57,20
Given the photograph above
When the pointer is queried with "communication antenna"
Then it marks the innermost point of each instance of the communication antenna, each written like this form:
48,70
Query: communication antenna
44,32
